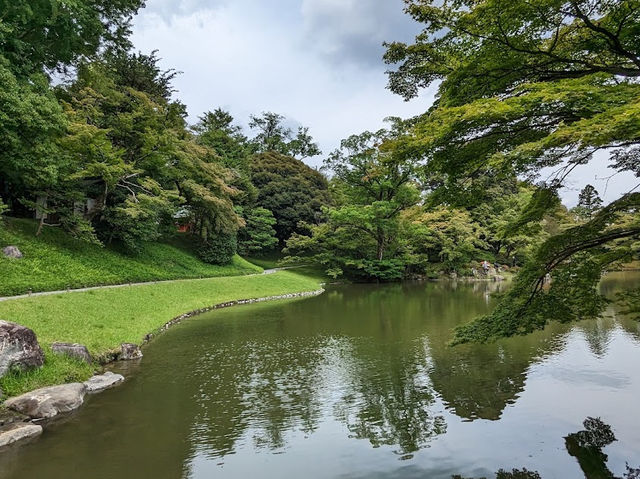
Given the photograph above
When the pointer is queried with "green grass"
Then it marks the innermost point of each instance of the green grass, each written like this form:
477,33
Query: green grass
56,370
103,319
55,261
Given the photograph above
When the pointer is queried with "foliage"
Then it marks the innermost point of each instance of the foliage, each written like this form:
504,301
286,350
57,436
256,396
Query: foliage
480,49
31,120
48,34
443,235
217,131
258,235
291,190
219,249
273,136
135,157
525,86
362,235
103,319
56,261
589,202
576,257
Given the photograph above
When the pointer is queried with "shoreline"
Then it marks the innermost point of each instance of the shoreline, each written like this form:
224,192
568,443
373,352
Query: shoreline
15,418
103,319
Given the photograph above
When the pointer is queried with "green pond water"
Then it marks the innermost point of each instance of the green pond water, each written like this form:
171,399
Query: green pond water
356,383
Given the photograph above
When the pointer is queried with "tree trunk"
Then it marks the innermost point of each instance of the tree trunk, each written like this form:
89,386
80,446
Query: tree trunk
380,247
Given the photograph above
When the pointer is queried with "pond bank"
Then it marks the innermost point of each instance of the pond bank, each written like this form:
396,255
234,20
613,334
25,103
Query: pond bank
104,319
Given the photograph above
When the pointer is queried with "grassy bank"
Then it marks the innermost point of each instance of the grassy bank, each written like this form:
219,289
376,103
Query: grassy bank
55,261
103,319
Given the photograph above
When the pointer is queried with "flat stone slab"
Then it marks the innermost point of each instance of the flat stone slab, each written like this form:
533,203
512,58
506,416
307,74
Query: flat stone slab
48,402
103,381
19,432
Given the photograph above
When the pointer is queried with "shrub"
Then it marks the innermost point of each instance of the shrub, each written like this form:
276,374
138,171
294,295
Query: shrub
218,249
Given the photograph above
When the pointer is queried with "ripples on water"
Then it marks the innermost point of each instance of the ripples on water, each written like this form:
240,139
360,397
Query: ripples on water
356,383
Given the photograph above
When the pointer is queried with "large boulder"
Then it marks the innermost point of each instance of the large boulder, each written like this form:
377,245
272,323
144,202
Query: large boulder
129,351
19,432
12,252
19,348
73,350
48,402
103,381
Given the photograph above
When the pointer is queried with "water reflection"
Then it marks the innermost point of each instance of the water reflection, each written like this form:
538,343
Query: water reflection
351,381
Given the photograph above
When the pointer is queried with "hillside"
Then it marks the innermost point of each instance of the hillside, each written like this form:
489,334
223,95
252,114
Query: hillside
56,261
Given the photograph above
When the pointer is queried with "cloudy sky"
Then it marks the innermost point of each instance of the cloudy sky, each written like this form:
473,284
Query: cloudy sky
318,62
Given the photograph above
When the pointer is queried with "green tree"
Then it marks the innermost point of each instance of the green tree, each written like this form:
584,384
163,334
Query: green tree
362,236
375,185
443,235
49,34
135,157
293,191
216,130
526,86
38,37
31,122
589,202
258,235
273,136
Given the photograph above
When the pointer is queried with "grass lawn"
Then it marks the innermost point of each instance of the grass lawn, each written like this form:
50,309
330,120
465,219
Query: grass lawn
55,261
103,319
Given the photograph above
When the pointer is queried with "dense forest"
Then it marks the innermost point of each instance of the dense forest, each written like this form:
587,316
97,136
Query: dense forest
93,141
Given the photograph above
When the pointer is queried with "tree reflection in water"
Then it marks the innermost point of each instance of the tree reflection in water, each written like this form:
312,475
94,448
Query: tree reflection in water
586,446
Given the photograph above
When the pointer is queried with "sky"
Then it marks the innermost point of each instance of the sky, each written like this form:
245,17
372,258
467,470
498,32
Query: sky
317,62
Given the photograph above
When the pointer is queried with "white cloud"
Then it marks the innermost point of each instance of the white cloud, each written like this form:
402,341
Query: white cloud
318,62
247,59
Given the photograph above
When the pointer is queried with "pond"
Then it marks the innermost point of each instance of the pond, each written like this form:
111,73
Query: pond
357,383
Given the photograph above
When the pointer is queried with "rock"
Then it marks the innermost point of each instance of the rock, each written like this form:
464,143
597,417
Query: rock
19,432
103,381
49,402
12,252
10,417
129,351
74,350
18,348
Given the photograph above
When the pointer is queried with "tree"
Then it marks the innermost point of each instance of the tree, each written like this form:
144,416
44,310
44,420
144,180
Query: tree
362,235
31,122
589,202
48,34
293,191
216,130
258,235
375,182
274,136
38,37
443,235
134,156
526,86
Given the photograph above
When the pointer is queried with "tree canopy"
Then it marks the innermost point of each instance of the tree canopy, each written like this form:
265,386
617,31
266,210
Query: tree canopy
294,192
525,86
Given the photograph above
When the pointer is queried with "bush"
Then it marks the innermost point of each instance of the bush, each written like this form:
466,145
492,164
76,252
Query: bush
219,249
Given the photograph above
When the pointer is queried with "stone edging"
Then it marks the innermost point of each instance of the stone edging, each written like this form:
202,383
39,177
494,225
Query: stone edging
17,418
228,304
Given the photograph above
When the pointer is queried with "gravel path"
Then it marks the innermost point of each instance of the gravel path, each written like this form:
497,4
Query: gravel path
125,285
